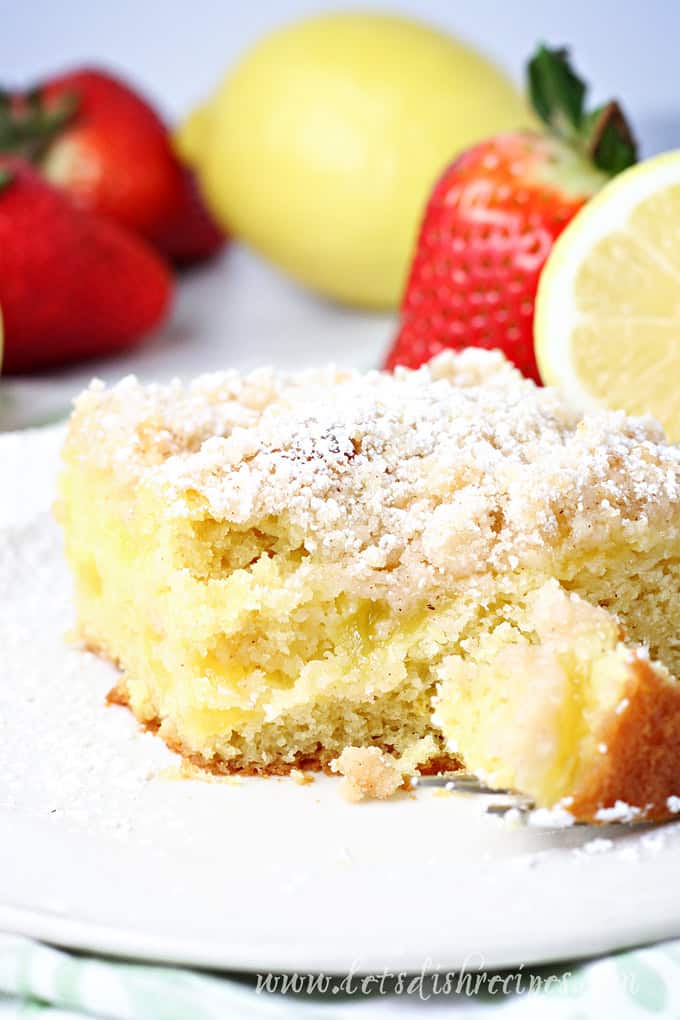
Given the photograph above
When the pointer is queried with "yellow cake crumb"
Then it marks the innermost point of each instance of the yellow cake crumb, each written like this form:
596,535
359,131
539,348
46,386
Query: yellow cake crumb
368,774
300,777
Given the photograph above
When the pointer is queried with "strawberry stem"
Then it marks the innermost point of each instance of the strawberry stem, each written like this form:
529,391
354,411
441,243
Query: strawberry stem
608,138
5,177
28,126
558,96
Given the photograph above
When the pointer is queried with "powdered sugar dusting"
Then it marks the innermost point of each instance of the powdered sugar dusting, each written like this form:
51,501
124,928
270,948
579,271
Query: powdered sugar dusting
405,482
598,846
29,464
558,817
619,812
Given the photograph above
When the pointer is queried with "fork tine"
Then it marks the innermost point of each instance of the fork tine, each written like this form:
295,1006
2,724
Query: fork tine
466,782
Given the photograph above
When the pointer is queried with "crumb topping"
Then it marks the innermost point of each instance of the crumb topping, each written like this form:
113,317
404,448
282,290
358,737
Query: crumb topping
404,482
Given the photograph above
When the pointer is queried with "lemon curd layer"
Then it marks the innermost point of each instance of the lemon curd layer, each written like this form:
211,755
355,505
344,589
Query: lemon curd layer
439,563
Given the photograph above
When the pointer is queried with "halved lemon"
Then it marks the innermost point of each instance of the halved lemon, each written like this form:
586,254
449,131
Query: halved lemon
607,323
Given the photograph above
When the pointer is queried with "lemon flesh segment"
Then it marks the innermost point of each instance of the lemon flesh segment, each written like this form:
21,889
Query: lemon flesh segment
607,321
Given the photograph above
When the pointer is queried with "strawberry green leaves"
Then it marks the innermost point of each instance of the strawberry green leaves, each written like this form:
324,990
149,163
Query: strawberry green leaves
556,93
609,141
558,96
28,125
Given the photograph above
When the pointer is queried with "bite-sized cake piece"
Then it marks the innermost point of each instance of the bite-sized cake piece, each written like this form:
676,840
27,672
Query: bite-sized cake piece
368,773
446,563
548,699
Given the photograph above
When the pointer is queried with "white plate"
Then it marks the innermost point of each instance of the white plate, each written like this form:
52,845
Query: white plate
102,849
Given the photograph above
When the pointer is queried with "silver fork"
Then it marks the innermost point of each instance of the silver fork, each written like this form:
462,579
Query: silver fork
466,782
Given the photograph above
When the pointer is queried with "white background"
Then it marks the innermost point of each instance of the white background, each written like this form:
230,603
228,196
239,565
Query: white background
178,49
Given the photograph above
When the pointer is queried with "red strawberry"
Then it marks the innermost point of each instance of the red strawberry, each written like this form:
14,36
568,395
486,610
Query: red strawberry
72,284
191,234
493,218
95,137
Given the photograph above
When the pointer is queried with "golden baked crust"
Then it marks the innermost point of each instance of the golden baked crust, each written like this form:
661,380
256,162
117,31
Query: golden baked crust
642,766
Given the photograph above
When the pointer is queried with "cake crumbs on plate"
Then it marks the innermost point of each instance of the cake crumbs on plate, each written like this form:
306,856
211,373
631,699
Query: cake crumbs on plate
188,770
300,777
368,774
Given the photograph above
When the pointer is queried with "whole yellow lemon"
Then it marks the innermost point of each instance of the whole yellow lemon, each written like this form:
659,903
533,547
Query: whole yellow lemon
320,148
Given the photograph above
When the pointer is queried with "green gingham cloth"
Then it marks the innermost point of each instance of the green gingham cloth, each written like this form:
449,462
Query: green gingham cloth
38,980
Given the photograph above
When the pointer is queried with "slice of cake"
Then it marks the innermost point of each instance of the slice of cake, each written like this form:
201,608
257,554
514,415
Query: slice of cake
447,564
